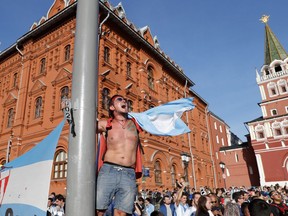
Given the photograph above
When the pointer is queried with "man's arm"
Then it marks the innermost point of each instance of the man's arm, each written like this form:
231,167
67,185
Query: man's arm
179,194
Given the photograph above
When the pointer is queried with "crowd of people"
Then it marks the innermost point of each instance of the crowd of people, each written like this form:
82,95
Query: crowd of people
185,201
233,201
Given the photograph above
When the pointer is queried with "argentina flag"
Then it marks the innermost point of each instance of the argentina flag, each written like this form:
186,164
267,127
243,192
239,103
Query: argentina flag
25,181
165,120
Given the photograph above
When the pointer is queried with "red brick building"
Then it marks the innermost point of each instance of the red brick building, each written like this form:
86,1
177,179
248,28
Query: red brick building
235,162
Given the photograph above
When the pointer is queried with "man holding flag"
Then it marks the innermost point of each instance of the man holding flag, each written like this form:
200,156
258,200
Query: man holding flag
119,158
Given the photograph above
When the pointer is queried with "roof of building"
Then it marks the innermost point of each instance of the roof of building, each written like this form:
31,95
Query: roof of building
273,49
233,147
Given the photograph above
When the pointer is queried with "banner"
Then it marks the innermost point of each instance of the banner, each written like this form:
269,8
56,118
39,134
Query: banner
25,181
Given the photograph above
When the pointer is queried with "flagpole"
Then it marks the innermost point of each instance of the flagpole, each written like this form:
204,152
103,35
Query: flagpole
189,142
81,149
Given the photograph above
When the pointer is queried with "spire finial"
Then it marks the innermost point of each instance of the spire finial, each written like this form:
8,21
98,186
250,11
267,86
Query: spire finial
264,19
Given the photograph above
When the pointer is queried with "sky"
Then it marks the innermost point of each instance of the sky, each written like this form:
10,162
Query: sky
218,44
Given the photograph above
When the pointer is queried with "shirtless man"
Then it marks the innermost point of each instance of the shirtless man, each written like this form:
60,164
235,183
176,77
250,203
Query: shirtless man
116,178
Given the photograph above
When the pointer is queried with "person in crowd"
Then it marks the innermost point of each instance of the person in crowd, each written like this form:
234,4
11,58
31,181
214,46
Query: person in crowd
49,206
174,197
244,208
246,196
181,201
219,194
259,207
204,206
156,213
116,177
59,208
277,205
217,208
231,209
139,207
191,211
238,197
52,195
149,207
167,209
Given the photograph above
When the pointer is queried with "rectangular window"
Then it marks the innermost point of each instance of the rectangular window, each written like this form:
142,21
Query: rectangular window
217,139
250,170
236,157
222,140
260,135
221,128
277,132
215,125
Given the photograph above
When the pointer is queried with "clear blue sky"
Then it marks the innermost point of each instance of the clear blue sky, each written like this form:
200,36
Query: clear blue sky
218,44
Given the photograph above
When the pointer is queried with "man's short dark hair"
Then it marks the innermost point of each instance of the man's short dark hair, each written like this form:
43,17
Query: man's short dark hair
111,101
237,195
259,207
60,197
156,213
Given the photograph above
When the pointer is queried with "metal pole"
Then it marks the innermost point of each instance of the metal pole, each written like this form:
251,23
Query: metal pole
81,152
189,142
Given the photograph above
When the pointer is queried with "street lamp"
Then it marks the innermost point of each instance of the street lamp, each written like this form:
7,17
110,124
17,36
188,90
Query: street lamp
185,159
222,166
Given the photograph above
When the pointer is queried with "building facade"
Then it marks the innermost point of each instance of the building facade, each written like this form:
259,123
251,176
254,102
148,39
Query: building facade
235,162
35,79
269,133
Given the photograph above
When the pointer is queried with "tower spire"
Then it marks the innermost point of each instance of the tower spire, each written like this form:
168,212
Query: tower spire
273,48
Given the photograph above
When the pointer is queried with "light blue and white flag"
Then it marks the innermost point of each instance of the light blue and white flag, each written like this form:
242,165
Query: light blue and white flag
165,120
25,181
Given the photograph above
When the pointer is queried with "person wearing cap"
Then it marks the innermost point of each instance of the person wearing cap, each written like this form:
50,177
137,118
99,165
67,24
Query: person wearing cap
277,205
119,163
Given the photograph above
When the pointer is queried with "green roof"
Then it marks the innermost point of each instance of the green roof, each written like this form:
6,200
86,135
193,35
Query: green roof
273,48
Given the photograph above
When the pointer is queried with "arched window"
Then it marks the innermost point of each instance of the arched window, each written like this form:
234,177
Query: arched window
278,68
42,66
107,54
105,98
64,95
130,105
38,107
157,168
276,127
2,162
67,52
128,69
259,129
282,85
10,118
150,78
173,175
285,127
60,165
15,78
273,112
272,89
